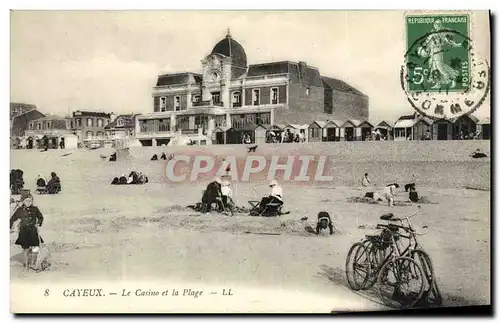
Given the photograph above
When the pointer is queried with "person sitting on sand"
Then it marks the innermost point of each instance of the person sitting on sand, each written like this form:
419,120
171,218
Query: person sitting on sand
413,196
133,178
212,194
276,196
30,219
141,178
365,182
478,154
227,193
41,184
163,156
155,157
54,184
122,180
324,222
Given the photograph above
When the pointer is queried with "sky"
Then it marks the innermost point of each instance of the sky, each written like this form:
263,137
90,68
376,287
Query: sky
63,61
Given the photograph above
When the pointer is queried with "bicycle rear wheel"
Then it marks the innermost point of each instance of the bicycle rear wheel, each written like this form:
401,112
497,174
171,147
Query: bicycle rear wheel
400,282
432,294
357,267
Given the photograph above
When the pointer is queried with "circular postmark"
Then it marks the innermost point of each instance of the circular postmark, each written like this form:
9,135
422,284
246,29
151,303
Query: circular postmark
441,76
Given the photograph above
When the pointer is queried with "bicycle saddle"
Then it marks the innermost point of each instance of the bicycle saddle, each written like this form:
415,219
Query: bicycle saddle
387,216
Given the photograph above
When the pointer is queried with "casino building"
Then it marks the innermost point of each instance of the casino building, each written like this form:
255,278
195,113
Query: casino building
230,93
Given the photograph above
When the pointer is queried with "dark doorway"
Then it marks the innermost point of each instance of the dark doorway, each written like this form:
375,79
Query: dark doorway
219,138
233,137
61,143
366,133
30,143
330,134
442,131
486,131
349,134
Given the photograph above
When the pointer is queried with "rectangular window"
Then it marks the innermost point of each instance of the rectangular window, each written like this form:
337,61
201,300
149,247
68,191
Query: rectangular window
263,118
163,104
308,91
274,95
90,122
216,97
99,123
89,134
177,103
255,97
164,125
196,98
39,126
220,121
236,99
31,126
201,122
315,132
78,122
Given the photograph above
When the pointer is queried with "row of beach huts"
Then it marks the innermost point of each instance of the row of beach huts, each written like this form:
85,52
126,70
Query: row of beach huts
408,127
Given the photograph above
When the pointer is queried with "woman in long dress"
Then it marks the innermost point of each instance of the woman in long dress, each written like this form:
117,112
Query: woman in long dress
433,47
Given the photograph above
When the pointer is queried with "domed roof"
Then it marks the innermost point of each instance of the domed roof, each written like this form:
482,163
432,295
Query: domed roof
231,48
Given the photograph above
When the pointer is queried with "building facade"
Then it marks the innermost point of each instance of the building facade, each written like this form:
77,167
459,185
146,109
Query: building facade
122,127
49,132
233,94
19,122
89,126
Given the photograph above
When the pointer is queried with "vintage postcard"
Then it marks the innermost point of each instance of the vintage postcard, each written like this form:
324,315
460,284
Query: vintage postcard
249,161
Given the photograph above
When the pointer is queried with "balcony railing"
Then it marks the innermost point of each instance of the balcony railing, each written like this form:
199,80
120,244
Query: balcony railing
207,103
202,103
266,77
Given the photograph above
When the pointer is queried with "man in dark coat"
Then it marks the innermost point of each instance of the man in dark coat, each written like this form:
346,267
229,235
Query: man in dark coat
212,194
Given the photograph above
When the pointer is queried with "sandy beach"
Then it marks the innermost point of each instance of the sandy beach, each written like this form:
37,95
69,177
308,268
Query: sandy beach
99,232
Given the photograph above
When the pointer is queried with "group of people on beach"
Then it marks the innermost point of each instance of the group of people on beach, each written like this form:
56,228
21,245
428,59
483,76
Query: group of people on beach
389,192
285,137
53,186
219,192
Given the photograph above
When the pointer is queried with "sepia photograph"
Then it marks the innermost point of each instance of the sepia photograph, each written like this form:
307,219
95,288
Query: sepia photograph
250,161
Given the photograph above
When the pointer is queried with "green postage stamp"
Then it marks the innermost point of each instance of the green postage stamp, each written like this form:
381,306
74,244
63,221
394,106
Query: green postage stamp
438,53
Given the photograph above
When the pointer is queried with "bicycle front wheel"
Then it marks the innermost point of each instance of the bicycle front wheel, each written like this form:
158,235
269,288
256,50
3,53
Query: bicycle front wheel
400,283
357,267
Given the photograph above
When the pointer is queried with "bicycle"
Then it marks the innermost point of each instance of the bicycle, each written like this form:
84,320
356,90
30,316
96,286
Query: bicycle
378,254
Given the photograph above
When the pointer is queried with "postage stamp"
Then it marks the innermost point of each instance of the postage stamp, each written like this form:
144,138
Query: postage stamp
442,76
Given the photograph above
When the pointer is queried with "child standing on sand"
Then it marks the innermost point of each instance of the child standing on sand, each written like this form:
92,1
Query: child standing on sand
31,218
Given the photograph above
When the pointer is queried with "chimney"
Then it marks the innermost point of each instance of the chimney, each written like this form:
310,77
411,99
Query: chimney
302,70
